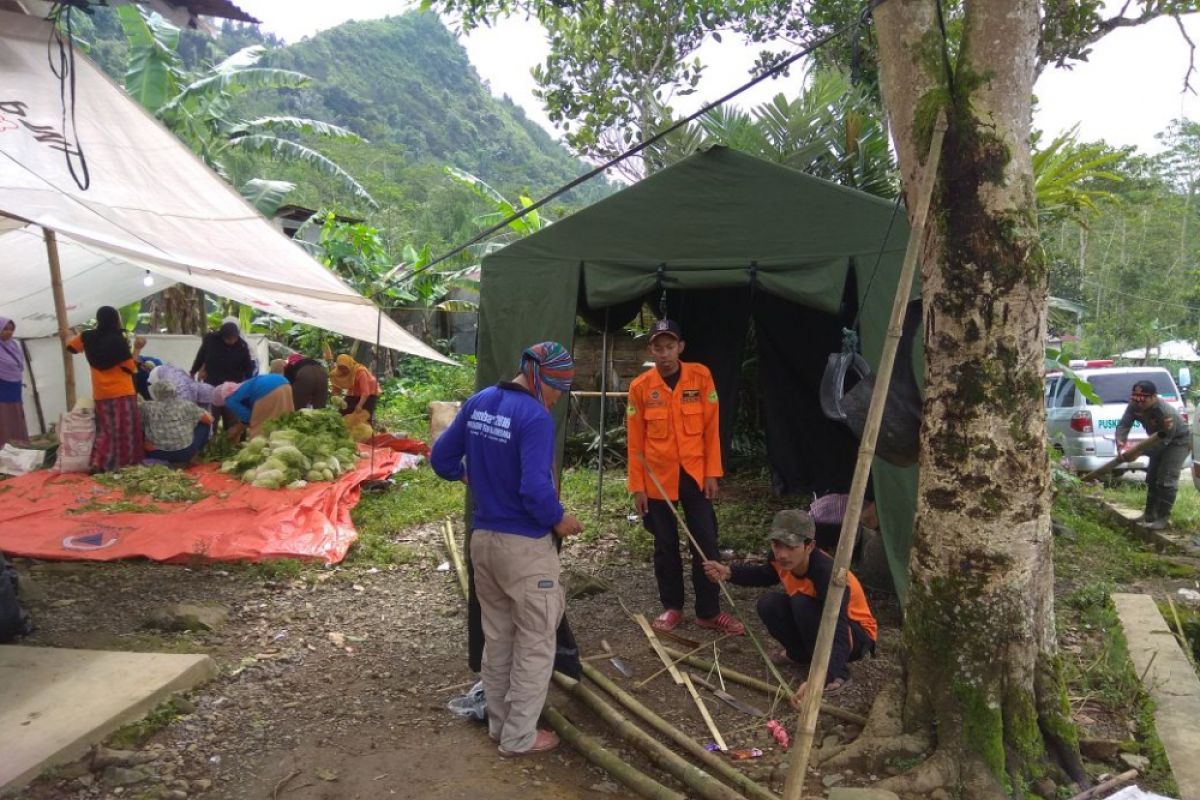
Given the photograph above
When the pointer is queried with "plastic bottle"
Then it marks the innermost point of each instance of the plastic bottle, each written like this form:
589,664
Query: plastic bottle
780,733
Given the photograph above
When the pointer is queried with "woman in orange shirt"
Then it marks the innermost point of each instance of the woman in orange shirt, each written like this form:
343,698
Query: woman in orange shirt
357,381
118,423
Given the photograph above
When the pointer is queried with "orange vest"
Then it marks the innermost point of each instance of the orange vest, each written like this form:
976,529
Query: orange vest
673,429
857,610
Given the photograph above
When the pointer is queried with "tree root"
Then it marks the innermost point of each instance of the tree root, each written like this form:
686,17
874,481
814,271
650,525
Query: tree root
944,770
883,738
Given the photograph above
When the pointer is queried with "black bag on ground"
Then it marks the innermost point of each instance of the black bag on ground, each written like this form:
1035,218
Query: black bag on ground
14,622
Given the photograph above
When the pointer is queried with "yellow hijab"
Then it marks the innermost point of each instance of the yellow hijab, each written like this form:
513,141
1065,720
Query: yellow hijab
344,372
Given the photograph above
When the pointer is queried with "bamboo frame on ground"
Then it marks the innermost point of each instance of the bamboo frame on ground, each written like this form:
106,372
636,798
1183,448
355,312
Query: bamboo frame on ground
696,779
689,745
591,749
794,786
755,683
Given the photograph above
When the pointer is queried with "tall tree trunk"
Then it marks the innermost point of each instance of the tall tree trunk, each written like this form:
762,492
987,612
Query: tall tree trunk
980,653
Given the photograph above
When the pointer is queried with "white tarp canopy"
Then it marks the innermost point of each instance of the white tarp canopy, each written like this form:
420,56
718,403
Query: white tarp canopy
151,206
1174,350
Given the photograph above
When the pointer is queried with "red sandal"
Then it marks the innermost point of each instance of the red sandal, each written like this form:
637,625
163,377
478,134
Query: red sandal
668,620
723,622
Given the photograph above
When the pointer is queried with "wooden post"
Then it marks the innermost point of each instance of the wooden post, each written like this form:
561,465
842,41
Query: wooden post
794,787
60,312
603,414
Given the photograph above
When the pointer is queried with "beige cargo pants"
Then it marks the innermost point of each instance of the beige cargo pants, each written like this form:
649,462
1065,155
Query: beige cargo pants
517,584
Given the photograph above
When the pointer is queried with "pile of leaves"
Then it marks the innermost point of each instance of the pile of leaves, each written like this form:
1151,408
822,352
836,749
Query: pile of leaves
159,483
295,449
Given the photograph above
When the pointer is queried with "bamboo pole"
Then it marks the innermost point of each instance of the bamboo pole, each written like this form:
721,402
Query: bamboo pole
689,745
707,717
603,414
1111,783
754,683
60,313
1128,455
794,786
724,589
658,649
675,663
455,556
695,778
635,779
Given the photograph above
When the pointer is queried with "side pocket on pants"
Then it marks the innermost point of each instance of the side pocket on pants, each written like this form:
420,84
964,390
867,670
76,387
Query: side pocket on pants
543,605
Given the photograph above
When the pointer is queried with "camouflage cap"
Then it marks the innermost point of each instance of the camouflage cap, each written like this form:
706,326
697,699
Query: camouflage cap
792,527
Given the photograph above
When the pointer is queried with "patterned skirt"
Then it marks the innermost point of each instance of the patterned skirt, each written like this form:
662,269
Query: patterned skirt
118,434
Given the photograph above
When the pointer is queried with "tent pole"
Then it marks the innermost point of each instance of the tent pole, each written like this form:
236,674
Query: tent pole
794,787
603,410
37,398
60,311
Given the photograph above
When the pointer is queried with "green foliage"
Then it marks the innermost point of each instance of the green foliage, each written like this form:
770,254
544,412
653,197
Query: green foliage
418,498
1070,177
157,483
404,400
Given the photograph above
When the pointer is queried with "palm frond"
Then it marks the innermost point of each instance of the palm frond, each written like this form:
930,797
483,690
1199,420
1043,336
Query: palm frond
302,125
266,195
294,152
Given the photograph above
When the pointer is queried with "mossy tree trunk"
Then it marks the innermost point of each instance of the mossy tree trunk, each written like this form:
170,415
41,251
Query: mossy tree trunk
979,639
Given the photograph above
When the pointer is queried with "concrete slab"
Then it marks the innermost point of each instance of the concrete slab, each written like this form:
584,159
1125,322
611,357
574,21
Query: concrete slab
56,703
1169,679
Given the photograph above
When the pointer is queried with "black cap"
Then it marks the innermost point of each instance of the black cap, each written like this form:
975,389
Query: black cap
665,326
1146,387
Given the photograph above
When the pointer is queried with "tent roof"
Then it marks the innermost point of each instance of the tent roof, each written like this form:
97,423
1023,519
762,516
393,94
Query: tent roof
718,208
151,206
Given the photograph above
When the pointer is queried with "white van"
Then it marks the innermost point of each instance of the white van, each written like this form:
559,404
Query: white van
1085,432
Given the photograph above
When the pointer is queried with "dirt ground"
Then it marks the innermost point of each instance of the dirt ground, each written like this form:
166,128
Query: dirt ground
333,684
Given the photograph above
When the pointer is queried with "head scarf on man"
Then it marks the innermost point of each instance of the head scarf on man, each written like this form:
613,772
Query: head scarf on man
106,346
547,363
344,372
12,360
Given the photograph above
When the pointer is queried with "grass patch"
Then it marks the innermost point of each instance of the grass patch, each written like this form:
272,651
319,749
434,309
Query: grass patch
405,399
136,734
1185,514
1100,553
418,497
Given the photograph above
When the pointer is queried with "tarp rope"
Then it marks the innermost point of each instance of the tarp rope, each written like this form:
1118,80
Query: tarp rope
64,70
637,148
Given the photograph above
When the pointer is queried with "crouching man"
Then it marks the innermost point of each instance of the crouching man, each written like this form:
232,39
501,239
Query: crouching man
793,616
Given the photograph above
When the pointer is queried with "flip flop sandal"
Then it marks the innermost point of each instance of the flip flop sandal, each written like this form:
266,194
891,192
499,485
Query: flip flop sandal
835,686
668,620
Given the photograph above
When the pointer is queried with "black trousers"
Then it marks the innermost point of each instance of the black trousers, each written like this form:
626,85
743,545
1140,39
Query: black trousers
794,620
668,565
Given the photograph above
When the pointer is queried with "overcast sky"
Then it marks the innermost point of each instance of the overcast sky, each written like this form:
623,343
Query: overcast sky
1127,92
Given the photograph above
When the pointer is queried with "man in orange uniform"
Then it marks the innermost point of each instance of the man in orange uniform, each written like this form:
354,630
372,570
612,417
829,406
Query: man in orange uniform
793,616
673,431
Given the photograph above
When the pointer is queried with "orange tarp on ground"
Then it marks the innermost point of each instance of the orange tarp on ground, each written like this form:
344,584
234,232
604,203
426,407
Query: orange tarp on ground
236,522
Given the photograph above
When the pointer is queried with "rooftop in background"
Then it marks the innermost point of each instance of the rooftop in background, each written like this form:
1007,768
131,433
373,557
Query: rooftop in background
181,12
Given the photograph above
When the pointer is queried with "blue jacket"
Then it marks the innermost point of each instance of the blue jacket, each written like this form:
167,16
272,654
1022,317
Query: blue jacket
507,438
242,401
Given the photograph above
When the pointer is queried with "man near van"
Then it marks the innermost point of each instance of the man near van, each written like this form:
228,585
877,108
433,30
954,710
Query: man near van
1166,457
672,430
793,616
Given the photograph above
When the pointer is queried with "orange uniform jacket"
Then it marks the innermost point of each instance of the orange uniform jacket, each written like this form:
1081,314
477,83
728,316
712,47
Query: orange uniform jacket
857,609
673,429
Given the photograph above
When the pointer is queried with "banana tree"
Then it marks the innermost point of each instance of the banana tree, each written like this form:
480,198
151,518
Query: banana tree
199,108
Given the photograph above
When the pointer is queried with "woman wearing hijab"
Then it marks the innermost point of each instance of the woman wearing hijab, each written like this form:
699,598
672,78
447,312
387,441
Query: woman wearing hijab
175,429
118,423
309,379
357,381
223,356
12,367
256,402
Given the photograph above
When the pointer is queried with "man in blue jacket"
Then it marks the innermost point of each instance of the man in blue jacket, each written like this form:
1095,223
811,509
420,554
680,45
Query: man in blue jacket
506,435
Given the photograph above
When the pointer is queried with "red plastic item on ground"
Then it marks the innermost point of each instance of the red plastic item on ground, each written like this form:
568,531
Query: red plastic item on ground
236,522
398,444
780,733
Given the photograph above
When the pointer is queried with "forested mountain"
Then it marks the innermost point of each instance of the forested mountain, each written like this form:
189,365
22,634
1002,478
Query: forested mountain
406,86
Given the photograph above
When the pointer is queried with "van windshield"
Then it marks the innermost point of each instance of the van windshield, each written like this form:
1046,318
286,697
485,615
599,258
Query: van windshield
1115,387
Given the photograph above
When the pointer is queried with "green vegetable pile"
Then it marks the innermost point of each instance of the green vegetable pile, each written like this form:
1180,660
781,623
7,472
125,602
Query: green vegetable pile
160,483
304,446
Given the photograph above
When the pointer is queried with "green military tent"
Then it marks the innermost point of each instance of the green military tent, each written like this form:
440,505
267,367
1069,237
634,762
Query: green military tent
718,240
